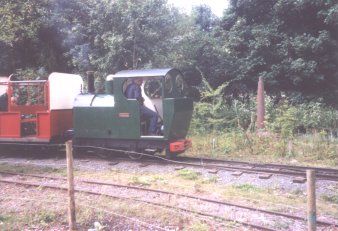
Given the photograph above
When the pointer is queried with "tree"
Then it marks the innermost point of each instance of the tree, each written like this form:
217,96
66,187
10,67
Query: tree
19,23
125,35
292,44
32,34
196,48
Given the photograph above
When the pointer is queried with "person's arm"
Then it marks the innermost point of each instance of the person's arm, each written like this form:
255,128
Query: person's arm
138,95
137,92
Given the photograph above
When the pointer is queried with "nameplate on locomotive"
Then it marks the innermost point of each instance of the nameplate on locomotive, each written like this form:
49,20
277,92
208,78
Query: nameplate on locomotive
124,115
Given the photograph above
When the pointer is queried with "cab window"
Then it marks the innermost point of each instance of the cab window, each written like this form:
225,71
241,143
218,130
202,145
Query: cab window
180,85
153,88
168,84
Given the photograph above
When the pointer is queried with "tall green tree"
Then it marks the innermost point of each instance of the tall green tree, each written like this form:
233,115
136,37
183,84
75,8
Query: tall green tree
19,24
292,44
125,35
32,33
195,49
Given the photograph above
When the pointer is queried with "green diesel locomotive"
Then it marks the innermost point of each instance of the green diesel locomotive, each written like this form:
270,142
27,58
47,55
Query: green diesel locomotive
113,121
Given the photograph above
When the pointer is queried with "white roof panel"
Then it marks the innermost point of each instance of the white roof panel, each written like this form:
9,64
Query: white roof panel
140,73
63,89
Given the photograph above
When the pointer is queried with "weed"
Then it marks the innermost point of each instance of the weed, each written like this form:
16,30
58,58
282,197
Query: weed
330,198
297,192
188,174
159,179
198,226
30,169
209,180
46,217
136,180
3,218
198,187
248,188
279,225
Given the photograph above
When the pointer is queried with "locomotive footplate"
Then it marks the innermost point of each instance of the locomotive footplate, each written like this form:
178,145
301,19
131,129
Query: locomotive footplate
116,144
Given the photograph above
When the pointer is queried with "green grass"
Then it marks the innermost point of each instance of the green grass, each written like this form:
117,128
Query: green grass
247,188
198,226
4,218
330,198
188,174
209,180
31,169
141,181
315,150
7,222
46,217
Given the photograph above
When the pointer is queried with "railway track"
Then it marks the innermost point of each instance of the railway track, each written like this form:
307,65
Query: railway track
237,168
328,174
259,165
59,180
240,167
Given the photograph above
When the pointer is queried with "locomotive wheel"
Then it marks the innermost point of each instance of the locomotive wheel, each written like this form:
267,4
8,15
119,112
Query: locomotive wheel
134,156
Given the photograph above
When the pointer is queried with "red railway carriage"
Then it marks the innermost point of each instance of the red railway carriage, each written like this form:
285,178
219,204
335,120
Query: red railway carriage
38,111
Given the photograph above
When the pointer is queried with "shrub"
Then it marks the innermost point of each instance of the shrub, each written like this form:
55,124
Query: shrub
284,118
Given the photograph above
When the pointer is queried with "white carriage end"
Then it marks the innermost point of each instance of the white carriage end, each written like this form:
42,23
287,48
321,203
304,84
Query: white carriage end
63,89
3,84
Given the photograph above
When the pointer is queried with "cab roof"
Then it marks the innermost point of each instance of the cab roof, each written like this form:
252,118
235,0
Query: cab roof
141,73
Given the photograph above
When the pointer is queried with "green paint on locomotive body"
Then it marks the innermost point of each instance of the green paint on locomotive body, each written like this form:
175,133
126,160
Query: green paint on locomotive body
177,113
121,120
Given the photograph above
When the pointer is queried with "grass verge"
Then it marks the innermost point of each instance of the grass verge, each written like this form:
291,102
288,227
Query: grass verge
310,150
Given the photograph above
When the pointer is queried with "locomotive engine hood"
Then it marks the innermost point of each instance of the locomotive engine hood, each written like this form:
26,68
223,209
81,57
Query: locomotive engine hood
91,100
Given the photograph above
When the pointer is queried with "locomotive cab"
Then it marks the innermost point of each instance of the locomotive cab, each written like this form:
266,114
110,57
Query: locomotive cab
121,125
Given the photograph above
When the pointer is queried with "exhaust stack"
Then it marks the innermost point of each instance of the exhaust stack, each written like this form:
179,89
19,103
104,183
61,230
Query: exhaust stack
90,78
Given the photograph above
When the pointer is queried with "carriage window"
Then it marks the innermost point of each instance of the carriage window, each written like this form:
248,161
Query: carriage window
27,94
153,88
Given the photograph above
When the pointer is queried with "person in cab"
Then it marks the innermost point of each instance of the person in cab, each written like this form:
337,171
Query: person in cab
134,91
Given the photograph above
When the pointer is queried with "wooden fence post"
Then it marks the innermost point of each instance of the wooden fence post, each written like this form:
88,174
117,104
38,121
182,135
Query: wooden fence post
311,200
70,178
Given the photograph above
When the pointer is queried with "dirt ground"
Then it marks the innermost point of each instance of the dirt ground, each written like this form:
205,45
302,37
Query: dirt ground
38,208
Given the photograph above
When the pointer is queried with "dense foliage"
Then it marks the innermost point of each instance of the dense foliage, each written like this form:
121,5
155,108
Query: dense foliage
292,44
283,117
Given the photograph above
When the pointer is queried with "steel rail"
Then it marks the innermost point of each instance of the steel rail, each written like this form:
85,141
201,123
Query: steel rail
263,165
138,200
228,168
252,168
249,169
278,172
294,217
